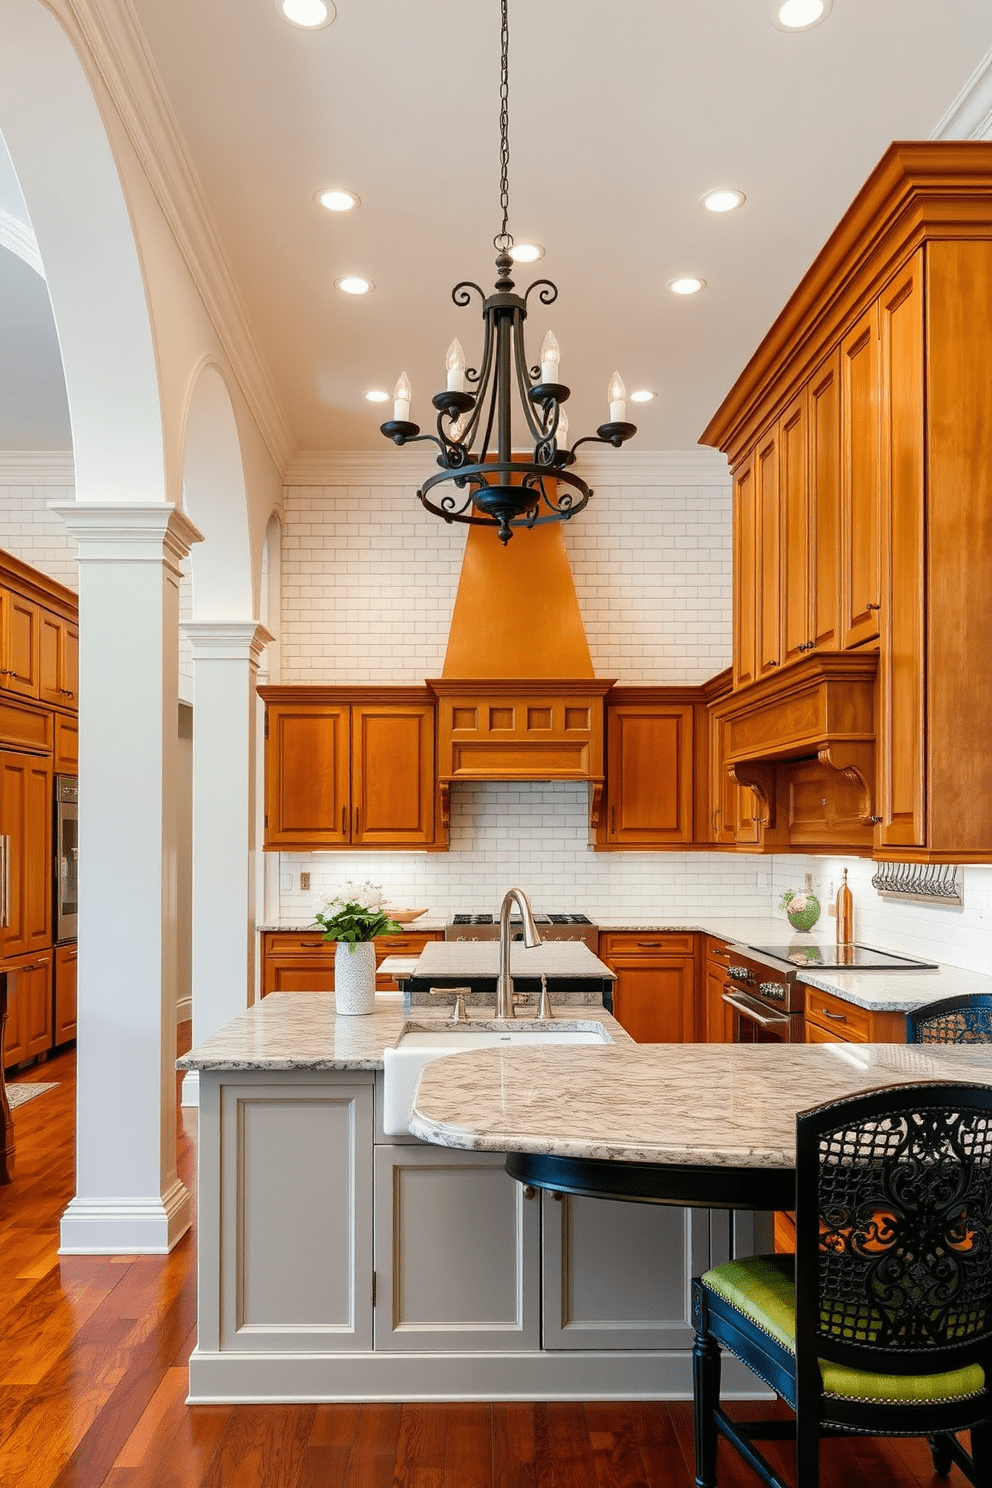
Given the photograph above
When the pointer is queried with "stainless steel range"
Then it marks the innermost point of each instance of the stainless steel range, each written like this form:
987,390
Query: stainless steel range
551,927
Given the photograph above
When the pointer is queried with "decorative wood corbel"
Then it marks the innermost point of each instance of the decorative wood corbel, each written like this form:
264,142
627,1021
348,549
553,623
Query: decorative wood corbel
444,796
758,776
595,803
854,759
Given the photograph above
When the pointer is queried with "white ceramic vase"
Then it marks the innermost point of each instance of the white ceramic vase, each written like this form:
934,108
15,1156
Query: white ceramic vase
354,976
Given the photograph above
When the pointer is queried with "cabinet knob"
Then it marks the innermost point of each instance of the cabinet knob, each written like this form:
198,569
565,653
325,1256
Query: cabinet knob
771,663
875,820
529,1192
870,606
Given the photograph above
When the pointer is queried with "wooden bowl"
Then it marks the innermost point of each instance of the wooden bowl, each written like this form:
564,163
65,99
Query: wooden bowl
404,916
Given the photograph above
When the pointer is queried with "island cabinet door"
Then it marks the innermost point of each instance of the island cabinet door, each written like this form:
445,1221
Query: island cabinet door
457,1253
616,1275
285,1255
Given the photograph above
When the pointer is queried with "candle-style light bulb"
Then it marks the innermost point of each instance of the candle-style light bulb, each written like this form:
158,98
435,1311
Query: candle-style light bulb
618,399
456,367
402,393
550,358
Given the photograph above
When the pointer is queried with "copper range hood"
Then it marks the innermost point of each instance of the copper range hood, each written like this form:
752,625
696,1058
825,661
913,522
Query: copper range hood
517,699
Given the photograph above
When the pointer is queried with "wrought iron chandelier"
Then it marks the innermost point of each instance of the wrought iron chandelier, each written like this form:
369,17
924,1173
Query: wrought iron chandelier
492,487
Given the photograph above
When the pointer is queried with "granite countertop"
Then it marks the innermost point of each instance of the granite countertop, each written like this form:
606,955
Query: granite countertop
709,1104
302,1031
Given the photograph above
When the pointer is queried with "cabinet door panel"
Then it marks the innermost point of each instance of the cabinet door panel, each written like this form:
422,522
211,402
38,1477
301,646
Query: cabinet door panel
860,484
719,1017
825,502
745,559
796,545
26,820
392,775
603,1286
307,776
769,598
902,741
653,999
649,770
19,644
457,1253
36,1006
65,994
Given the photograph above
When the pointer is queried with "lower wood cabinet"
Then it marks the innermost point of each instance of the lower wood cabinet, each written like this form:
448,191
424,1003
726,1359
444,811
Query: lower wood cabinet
29,1008
831,1020
654,994
719,1016
64,1023
302,961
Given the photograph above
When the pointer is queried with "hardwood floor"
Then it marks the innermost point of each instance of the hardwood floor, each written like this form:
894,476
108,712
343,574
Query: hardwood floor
93,1358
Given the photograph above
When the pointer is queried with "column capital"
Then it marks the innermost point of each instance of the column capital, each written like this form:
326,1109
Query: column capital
121,532
226,640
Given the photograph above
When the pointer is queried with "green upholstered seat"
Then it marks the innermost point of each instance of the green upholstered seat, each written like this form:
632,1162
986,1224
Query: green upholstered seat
762,1289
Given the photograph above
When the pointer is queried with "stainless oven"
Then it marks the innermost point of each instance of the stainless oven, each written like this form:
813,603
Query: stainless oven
764,999
66,894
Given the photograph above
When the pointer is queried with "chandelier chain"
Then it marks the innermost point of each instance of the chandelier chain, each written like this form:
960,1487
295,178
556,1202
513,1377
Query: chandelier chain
504,239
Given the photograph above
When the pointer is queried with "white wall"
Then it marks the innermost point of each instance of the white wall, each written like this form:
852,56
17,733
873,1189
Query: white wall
957,935
27,528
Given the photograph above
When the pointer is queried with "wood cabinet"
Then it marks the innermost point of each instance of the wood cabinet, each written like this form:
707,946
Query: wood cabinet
654,994
719,1019
29,1008
649,769
64,1022
302,961
58,671
349,767
26,862
830,1019
19,643
886,338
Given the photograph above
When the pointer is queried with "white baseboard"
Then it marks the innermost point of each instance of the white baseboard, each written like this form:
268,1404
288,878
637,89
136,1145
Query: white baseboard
191,1089
126,1226
264,1379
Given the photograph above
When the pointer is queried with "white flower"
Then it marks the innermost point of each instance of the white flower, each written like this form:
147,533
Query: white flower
365,893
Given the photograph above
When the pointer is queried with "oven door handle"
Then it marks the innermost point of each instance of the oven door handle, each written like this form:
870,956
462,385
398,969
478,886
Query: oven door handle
754,1010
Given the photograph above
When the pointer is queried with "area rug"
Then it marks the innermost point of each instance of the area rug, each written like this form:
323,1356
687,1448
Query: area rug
18,1094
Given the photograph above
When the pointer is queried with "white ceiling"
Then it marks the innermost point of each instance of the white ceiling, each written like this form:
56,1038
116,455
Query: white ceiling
621,115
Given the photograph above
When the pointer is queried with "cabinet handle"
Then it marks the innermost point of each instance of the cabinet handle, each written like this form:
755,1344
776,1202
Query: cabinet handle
716,820
871,606
5,887
356,821
875,820
806,646
613,820
344,821
650,945
837,1017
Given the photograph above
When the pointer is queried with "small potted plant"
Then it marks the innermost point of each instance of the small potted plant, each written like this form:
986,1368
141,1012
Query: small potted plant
355,918
803,909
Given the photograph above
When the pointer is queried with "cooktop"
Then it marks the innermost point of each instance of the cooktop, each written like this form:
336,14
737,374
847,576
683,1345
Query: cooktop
836,958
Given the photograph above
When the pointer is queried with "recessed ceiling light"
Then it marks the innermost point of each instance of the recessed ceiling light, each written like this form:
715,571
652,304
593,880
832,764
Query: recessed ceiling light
353,285
310,14
376,395
688,284
642,395
799,15
335,199
526,252
723,199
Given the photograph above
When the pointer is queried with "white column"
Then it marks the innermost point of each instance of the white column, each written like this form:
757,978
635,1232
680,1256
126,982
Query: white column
225,670
128,1195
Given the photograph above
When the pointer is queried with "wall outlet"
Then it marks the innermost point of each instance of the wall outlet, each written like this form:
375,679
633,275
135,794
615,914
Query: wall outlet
304,881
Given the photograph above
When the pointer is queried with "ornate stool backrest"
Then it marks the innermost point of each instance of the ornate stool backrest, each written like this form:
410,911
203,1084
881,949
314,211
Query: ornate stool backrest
894,1231
956,1020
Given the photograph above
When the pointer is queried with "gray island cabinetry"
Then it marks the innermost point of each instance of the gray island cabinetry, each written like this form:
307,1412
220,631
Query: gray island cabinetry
338,1263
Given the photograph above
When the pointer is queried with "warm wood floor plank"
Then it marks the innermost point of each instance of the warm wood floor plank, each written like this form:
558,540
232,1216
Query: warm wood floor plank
421,1446
568,1446
660,1449
374,1448
468,1450
514,1450
261,1447
615,1447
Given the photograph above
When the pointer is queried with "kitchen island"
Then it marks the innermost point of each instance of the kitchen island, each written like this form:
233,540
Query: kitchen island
338,1263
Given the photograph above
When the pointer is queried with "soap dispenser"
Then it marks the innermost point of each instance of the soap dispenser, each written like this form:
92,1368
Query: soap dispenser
845,914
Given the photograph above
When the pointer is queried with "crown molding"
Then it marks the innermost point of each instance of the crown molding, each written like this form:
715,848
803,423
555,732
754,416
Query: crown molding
970,115
37,468
121,56
408,467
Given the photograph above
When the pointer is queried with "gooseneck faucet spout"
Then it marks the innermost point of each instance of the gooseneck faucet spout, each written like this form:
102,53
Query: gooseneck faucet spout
504,985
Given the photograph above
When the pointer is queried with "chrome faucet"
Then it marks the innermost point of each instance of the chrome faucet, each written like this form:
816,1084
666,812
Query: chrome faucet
504,984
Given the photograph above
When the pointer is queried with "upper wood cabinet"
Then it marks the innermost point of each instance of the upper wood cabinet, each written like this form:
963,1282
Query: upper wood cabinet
58,672
39,636
649,768
887,339
348,767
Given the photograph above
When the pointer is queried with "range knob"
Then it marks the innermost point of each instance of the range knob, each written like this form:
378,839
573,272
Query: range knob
739,974
774,991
